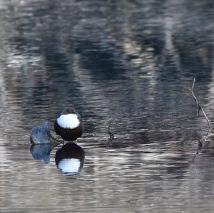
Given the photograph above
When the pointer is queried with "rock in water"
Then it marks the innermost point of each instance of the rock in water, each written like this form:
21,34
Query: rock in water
39,134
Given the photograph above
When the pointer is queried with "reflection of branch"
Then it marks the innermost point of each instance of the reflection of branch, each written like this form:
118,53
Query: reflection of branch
200,108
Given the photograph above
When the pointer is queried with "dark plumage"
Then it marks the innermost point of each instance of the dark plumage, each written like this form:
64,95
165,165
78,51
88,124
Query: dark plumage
70,158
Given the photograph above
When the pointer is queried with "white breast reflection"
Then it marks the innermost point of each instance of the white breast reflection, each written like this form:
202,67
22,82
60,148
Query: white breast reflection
70,158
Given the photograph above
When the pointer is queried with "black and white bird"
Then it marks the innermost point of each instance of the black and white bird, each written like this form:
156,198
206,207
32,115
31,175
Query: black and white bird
70,158
68,125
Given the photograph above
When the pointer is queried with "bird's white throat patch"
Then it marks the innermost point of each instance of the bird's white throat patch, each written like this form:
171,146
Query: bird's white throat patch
70,121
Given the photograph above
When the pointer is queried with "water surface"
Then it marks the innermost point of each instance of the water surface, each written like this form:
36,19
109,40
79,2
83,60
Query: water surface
127,67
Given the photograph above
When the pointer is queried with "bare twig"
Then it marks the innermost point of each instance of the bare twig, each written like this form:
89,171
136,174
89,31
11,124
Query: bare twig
110,133
200,108
195,98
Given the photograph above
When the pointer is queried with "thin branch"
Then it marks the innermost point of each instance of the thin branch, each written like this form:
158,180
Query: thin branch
200,108
195,98
110,133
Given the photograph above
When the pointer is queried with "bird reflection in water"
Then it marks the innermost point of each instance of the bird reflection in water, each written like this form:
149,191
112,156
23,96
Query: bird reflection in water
69,158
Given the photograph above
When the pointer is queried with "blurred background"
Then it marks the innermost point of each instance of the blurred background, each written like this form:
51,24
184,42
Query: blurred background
128,67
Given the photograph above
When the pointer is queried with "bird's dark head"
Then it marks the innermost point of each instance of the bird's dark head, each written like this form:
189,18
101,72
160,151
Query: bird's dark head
70,110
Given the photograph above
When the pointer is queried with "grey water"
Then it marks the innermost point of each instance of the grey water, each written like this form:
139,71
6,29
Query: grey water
128,68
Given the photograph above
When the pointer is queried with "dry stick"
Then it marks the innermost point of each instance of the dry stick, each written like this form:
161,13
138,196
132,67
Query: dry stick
200,144
111,134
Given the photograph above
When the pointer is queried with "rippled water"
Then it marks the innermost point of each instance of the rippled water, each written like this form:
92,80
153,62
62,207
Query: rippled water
128,67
